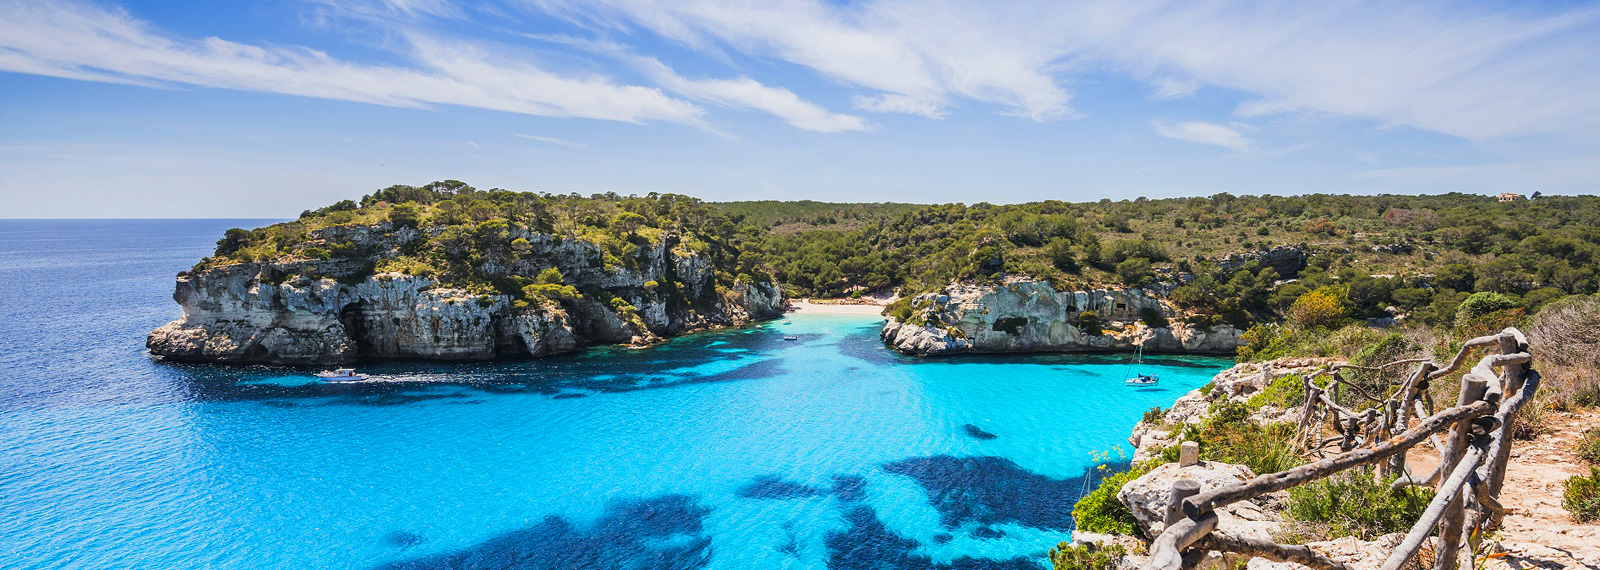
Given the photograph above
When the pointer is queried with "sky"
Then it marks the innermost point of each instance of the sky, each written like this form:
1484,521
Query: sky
245,108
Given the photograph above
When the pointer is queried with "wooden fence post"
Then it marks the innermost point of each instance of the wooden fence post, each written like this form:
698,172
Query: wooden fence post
1513,376
1181,489
1445,552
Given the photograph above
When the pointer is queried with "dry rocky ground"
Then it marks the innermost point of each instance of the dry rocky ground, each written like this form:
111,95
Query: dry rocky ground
1538,532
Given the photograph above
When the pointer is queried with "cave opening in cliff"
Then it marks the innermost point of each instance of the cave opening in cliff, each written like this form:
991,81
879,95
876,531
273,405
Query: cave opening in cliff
353,317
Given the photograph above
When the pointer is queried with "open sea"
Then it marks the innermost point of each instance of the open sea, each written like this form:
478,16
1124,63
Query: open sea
724,450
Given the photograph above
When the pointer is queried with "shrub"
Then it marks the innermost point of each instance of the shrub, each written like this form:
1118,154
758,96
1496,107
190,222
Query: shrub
1152,318
405,215
1483,303
1567,334
1589,446
549,292
231,241
1228,437
1089,323
1320,308
1066,556
550,276
1286,392
1581,496
1135,271
1100,511
1352,504
1154,415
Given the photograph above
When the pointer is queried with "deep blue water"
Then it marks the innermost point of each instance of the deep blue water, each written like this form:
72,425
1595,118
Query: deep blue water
728,450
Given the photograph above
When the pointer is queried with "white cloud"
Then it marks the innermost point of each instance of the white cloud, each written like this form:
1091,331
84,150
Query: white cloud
923,51
68,39
896,103
1473,70
1466,69
1172,87
555,141
749,93
1206,133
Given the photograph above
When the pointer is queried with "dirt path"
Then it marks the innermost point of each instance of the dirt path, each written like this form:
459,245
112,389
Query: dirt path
1538,532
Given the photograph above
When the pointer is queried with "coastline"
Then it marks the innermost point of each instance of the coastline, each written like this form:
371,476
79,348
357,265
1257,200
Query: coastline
836,309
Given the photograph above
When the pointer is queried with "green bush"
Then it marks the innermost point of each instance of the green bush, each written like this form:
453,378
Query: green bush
1089,323
1227,437
1285,392
1100,511
1589,446
1353,504
1483,303
1066,556
1581,496
1154,415
1152,318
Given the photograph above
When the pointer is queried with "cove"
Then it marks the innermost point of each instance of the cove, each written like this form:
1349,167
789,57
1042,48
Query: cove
728,449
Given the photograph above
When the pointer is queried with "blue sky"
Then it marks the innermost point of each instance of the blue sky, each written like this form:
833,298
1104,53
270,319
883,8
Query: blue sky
253,108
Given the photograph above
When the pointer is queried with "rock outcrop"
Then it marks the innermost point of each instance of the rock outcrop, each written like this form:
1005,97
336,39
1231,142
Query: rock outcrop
1287,260
309,311
1148,496
1031,316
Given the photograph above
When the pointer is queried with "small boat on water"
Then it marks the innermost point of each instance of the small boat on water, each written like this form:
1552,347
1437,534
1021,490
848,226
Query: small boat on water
1141,379
790,337
341,375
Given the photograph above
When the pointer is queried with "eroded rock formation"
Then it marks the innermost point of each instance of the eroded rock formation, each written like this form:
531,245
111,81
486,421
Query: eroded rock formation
1031,316
336,311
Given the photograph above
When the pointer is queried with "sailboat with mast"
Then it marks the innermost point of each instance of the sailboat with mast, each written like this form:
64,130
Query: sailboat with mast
1140,379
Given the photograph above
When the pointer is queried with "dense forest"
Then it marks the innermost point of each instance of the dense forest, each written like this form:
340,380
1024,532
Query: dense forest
1369,256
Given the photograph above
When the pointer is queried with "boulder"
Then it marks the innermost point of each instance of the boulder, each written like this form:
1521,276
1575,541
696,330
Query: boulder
1148,496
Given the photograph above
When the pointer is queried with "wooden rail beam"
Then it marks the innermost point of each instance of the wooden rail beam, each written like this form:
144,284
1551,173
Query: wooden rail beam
1166,552
1269,550
1228,494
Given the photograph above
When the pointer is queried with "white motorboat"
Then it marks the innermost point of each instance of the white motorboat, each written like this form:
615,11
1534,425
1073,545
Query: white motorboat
790,337
341,375
1141,379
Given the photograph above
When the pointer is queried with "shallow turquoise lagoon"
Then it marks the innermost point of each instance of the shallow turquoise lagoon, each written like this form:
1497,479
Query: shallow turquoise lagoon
732,449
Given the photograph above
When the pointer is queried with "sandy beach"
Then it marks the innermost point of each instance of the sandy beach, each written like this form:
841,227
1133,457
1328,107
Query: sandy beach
837,309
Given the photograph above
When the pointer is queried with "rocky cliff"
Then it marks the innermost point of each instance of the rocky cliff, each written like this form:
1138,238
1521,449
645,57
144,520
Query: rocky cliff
1031,316
329,311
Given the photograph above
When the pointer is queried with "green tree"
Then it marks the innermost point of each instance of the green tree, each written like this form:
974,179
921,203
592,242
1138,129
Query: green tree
405,215
1135,271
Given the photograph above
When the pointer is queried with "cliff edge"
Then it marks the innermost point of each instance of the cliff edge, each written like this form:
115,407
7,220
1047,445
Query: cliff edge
298,309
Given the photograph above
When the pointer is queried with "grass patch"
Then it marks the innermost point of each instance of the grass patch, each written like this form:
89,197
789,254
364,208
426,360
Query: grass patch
1285,392
1589,446
1353,504
1581,496
1066,556
1226,436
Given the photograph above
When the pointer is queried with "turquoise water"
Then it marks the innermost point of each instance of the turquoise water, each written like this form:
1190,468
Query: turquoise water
733,449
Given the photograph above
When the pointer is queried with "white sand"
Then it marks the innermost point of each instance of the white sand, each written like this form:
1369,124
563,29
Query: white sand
837,309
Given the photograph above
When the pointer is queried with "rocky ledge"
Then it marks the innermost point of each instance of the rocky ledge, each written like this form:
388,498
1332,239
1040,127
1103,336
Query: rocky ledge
1031,316
310,311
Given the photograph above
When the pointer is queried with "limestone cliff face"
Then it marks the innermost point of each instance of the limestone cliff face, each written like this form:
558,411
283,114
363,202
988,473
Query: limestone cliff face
1031,316
334,311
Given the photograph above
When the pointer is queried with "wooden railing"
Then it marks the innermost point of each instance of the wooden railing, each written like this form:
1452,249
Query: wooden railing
1473,439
